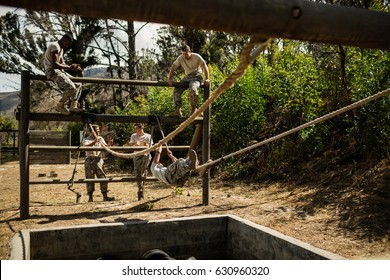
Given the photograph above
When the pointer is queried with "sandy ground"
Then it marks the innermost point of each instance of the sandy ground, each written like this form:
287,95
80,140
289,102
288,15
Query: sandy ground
301,211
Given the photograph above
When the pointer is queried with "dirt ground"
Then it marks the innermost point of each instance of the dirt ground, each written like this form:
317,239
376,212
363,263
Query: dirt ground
339,220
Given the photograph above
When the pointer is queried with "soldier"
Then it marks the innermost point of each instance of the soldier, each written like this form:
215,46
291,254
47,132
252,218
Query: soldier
177,172
54,70
193,65
94,164
141,163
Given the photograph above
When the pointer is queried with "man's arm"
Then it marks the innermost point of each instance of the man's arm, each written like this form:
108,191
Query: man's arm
171,73
206,72
59,63
157,156
171,156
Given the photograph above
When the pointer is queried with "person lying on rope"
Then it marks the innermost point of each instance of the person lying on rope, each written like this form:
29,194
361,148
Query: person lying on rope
177,172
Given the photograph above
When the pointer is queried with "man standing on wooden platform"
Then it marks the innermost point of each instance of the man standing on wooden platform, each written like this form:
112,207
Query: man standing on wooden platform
194,66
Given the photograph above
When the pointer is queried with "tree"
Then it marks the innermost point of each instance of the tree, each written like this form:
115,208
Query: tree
24,39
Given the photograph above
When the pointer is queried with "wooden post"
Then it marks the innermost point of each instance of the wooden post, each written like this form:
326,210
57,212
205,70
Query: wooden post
23,144
206,149
196,138
14,142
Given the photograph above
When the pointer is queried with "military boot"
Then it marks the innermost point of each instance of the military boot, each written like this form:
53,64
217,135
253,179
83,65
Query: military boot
62,109
193,109
107,198
73,107
177,112
140,194
90,197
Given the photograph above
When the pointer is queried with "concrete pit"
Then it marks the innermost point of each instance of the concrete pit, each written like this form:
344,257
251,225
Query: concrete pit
204,238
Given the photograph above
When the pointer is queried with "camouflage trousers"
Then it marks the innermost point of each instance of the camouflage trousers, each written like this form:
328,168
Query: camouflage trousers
70,90
194,81
94,166
141,168
178,172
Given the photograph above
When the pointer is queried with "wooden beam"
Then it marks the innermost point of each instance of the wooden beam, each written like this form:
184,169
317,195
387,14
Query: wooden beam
87,148
110,81
98,118
96,180
24,140
293,19
206,150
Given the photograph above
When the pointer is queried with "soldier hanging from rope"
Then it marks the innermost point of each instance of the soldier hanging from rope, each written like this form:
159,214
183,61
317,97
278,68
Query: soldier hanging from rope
177,172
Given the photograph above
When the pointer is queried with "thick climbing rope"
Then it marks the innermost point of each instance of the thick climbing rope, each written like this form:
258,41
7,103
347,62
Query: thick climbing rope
204,167
250,52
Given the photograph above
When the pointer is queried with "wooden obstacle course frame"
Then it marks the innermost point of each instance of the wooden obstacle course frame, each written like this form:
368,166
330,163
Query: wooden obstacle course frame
24,116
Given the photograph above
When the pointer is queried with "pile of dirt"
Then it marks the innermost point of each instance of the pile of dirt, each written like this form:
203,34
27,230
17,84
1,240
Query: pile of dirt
343,209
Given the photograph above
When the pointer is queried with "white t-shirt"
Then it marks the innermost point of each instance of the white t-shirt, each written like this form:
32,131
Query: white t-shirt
145,139
87,141
48,58
190,65
158,171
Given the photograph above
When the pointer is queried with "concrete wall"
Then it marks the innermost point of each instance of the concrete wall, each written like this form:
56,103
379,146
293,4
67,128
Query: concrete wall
207,237
247,240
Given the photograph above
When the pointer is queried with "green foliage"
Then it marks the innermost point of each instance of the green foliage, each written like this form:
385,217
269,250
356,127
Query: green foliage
7,123
239,112
292,84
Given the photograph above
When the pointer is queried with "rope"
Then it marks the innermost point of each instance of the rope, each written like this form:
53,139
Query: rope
71,181
250,52
161,131
203,168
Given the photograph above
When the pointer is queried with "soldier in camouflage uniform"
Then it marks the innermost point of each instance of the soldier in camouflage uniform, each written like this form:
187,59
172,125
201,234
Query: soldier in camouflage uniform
177,172
141,163
94,164
55,70
194,66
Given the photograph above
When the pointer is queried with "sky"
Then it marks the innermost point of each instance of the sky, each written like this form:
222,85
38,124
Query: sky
144,40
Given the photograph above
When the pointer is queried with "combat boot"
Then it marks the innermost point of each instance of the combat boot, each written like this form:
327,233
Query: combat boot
140,194
193,109
73,107
177,112
193,159
107,198
61,108
140,190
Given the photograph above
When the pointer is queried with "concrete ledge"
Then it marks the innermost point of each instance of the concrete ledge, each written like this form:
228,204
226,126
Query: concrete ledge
204,237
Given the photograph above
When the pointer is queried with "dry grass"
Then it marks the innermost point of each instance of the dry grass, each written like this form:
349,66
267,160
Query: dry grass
344,219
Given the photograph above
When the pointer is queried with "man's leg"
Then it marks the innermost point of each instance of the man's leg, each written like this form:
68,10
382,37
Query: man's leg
103,185
90,174
177,101
70,92
140,166
193,87
178,170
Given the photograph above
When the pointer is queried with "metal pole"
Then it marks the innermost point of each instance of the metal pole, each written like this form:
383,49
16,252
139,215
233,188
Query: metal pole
23,144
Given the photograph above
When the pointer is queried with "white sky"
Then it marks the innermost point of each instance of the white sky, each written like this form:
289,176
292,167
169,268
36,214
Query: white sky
144,40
